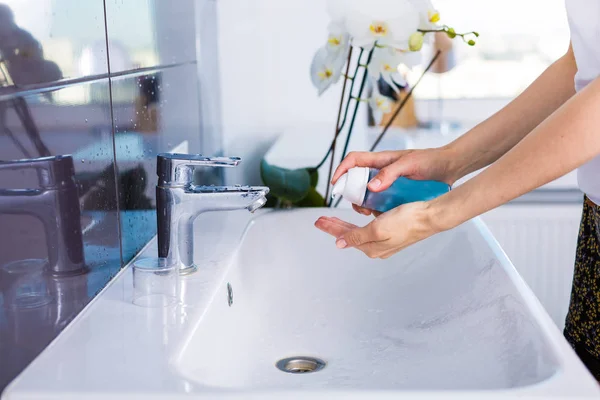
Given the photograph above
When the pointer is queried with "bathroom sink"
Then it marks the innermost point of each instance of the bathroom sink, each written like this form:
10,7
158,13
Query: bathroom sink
445,318
445,314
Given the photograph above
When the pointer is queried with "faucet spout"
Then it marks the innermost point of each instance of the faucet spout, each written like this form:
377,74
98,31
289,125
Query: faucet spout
223,198
179,202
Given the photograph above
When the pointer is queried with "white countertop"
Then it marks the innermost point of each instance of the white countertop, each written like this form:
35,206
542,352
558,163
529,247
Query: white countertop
117,350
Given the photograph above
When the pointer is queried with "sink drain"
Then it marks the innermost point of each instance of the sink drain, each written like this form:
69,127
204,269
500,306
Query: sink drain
300,365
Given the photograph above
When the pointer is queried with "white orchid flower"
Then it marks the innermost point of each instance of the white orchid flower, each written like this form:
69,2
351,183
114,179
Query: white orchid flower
386,62
380,105
338,44
428,15
338,40
389,22
410,59
325,70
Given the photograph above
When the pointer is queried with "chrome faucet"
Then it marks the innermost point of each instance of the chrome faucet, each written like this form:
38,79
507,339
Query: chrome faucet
55,202
179,202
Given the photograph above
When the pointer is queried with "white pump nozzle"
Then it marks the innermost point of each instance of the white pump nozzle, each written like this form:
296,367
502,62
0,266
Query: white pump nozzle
338,188
352,185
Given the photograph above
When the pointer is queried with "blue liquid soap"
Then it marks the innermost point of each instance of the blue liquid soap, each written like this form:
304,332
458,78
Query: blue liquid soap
352,186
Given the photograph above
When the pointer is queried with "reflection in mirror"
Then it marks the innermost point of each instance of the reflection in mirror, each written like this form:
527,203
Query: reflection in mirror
59,222
22,54
22,62
36,306
63,114
55,203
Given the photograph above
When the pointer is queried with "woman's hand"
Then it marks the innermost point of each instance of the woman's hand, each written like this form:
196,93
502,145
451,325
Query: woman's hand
387,234
438,164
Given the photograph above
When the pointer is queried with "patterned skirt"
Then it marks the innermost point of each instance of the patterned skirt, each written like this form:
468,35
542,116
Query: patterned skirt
582,328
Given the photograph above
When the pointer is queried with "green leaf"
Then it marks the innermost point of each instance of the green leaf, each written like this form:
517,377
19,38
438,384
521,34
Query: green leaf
314,177
271,201
287,184
312,199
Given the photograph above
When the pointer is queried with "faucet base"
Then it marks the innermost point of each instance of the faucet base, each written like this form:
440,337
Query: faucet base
188,270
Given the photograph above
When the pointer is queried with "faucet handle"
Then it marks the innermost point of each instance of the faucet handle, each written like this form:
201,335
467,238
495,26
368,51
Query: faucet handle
177,169
52,171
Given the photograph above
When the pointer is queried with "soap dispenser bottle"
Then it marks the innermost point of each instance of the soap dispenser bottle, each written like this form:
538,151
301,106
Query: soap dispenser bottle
352,186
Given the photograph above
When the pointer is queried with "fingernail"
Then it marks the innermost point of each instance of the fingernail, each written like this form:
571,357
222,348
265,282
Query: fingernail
375,183
341,244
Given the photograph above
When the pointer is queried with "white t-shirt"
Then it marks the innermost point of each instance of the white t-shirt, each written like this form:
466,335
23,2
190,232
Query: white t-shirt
584,21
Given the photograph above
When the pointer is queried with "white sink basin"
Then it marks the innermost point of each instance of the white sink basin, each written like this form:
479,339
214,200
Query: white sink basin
446,318
442,315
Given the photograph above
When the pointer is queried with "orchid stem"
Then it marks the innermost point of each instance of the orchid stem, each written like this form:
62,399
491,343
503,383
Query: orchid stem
356,106
341,126
449,31
337,129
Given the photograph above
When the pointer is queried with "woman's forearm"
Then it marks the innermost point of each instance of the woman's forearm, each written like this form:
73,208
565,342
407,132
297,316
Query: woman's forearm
491,139
564,141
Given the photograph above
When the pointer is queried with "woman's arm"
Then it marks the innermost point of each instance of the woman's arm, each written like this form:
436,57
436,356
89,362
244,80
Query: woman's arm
483,144
567,139
492,138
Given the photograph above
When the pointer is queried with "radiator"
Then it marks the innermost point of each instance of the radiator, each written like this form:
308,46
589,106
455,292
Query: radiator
540,240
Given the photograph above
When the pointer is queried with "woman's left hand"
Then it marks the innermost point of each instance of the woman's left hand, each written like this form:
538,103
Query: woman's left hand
387,234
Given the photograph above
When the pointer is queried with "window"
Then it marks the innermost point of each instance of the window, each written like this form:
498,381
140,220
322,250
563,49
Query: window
518,40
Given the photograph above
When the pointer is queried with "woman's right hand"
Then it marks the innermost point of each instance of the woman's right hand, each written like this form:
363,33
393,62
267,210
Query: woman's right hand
437,164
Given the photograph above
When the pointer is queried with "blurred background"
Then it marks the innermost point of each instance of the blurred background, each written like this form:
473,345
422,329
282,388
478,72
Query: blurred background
111,83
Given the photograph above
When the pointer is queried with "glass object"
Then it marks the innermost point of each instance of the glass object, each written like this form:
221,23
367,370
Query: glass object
155,283
28,289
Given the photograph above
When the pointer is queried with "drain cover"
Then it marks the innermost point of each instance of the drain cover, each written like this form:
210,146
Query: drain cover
300,365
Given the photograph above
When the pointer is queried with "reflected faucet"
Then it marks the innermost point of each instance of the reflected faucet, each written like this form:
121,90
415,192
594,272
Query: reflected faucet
179,202
55,202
